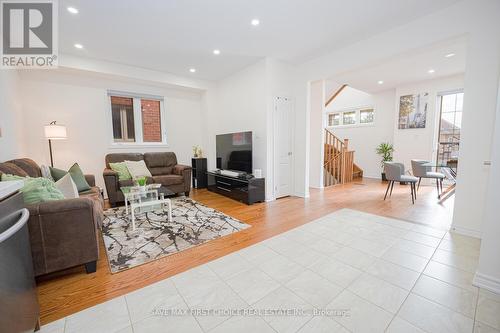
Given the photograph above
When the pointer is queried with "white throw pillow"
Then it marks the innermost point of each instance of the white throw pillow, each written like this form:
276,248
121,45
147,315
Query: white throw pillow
46,172
138,169
68,187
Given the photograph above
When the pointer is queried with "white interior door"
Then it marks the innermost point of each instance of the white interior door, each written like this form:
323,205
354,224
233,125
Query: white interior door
283,147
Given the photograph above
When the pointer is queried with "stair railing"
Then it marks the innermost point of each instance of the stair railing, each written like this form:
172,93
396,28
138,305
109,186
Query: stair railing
338,160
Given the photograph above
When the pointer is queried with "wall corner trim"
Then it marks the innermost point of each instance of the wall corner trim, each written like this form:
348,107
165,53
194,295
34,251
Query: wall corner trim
486,282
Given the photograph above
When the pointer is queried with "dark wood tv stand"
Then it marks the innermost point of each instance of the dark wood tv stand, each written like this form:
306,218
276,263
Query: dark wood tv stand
248,191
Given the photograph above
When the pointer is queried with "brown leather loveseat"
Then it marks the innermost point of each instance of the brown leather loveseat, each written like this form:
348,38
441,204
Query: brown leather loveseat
63,233
163,167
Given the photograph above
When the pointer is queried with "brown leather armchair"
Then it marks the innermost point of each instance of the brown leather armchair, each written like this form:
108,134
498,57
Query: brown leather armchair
63,233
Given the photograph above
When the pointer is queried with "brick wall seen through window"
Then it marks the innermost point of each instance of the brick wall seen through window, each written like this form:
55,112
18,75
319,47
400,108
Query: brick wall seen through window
151,120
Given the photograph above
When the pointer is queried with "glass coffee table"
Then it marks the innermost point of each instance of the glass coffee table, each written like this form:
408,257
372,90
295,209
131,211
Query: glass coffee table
144,199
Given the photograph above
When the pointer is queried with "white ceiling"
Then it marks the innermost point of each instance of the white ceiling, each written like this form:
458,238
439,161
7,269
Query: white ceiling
409,67
175,35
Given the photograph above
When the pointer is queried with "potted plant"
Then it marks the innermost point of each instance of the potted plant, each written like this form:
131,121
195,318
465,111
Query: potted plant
385,151
141,182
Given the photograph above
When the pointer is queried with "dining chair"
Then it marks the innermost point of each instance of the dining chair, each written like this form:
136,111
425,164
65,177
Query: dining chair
395,172
422,169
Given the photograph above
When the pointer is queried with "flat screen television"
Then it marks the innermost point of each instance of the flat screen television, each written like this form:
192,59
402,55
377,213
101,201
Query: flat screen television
234,151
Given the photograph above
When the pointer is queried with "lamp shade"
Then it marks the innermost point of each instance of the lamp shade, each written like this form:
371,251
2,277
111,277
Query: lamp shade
55,132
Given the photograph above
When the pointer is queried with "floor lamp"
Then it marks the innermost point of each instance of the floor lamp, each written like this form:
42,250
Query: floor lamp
54,132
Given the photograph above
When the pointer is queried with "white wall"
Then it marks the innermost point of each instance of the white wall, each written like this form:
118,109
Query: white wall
316,135
488,271
480,100
244,101
11,140
420,143
350,98
364,139
240,104
79,101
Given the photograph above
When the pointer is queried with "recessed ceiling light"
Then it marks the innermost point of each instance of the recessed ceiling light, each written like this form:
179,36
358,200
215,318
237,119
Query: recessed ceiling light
255,22
449,55
192,70
78,46
216,52
431,71
380,82
72,10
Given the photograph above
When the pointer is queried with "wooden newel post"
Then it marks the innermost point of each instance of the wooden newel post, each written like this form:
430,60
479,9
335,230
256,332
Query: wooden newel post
346,144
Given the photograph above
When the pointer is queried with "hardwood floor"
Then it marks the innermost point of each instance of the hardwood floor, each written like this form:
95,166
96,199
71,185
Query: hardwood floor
70,291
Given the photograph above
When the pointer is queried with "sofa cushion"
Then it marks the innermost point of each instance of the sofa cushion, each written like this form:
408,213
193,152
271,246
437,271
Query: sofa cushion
121,169
160,163
46,172
117,157
137,169
12,169
36,190
29,166
76,174
79,178
167,180
127,182
67,186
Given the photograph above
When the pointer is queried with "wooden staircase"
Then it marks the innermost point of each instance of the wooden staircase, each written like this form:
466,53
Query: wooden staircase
339,166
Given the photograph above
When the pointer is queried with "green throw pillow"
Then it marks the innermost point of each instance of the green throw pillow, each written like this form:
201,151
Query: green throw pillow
36,190
121,169
76,174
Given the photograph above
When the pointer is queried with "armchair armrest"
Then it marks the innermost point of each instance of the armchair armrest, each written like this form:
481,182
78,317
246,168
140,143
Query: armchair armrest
185,172
61,206
110,172
90,180
112,185
179,169
110,179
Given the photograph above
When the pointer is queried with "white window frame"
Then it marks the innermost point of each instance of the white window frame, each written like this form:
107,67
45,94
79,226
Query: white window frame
358,118
139,139
328,119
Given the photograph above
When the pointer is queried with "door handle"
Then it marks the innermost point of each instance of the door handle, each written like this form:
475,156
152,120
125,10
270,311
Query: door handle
16,226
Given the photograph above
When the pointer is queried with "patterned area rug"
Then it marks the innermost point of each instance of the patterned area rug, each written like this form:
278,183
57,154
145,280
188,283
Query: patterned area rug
192,224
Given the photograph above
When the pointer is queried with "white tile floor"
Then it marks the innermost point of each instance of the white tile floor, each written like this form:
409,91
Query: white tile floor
381,274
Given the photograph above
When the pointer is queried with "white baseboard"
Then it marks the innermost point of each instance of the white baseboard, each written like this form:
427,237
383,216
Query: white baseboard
486,282
302,194
466,231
